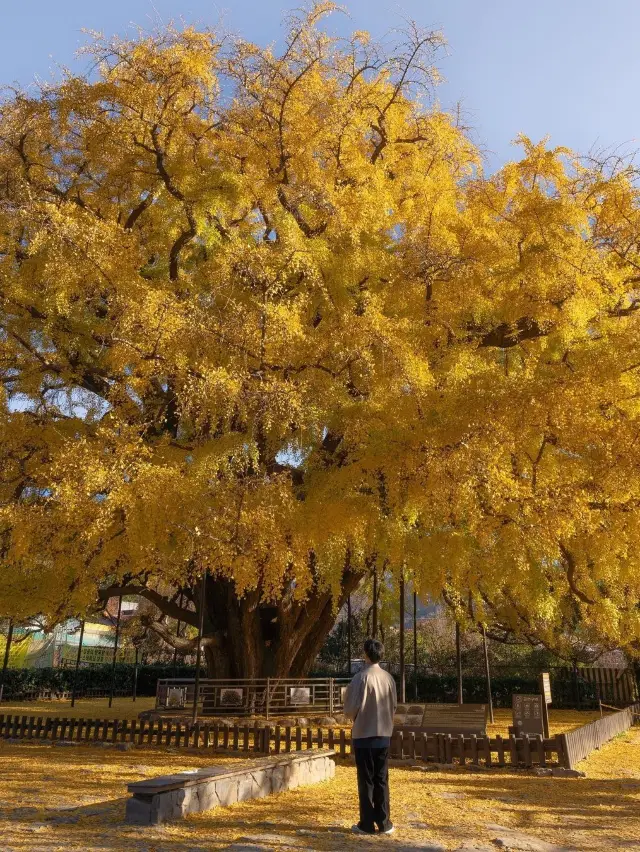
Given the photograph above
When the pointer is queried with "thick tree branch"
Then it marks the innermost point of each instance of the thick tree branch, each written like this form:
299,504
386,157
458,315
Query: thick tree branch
571,576
166,606
293,210
180,643
508,335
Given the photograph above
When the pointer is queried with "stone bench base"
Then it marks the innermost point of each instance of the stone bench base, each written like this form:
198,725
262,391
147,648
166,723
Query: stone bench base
156,800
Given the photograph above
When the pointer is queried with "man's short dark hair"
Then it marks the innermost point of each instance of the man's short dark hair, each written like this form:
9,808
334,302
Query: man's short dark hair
374,649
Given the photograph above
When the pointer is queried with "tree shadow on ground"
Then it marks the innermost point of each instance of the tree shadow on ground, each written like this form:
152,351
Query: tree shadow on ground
588,813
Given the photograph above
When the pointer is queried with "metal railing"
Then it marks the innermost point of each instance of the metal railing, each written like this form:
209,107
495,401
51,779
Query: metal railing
254,696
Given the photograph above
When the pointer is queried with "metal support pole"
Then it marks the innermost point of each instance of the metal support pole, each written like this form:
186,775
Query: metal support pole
203,592
403,684
545,706
375,604
576,685
5,664
487,673
459,663
415,645
349,651
175,650
115,652
135,675
75,674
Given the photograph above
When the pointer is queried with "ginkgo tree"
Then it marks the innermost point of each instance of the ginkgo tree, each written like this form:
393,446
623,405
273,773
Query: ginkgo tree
264,318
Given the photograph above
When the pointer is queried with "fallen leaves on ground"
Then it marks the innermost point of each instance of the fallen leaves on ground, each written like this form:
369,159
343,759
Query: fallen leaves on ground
72,799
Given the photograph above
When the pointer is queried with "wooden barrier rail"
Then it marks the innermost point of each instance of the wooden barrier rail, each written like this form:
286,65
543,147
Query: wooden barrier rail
564,749
260,739
616,685
578,744
475,750
241,738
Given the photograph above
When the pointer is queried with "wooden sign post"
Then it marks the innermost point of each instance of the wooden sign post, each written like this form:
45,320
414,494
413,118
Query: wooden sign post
545,690
527,714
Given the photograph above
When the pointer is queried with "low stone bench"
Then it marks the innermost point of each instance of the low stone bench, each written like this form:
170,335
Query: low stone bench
167,797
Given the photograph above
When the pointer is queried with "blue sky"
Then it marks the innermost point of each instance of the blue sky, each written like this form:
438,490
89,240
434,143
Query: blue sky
566,68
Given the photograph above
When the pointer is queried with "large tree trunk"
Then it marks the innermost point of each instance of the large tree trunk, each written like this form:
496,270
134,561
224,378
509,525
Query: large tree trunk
246,638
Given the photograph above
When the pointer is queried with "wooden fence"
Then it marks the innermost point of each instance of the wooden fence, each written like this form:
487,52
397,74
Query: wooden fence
578,744
439,748
618,686
564,749
138,732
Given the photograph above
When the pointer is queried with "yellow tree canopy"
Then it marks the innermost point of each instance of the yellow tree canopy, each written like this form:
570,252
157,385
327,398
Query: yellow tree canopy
263,313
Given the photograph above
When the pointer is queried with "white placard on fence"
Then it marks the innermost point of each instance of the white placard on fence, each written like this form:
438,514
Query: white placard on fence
299,695
231,697
176,696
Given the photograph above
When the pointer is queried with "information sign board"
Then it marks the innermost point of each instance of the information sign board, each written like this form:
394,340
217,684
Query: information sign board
527,714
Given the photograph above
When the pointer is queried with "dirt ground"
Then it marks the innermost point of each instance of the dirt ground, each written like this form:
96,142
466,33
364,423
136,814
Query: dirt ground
85,708
72,798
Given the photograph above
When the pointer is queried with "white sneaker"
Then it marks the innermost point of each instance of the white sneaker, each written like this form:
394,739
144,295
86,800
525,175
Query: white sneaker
357,830
390,830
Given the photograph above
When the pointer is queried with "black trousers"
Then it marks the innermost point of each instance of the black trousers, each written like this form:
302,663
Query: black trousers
373,788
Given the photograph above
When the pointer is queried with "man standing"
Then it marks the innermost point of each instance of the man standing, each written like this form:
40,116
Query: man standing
370,701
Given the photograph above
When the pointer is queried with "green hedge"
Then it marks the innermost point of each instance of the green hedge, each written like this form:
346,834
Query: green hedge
443,688
19,681
433,688
566,691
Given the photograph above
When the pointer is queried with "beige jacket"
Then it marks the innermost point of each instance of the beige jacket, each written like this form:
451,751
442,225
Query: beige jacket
370,700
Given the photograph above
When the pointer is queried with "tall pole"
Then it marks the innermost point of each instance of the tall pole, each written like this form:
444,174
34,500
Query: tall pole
175,650
349,635
415,645
5,664
375,603
115,652
459,663
135,675
487,673
203,591
75,674
403,685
